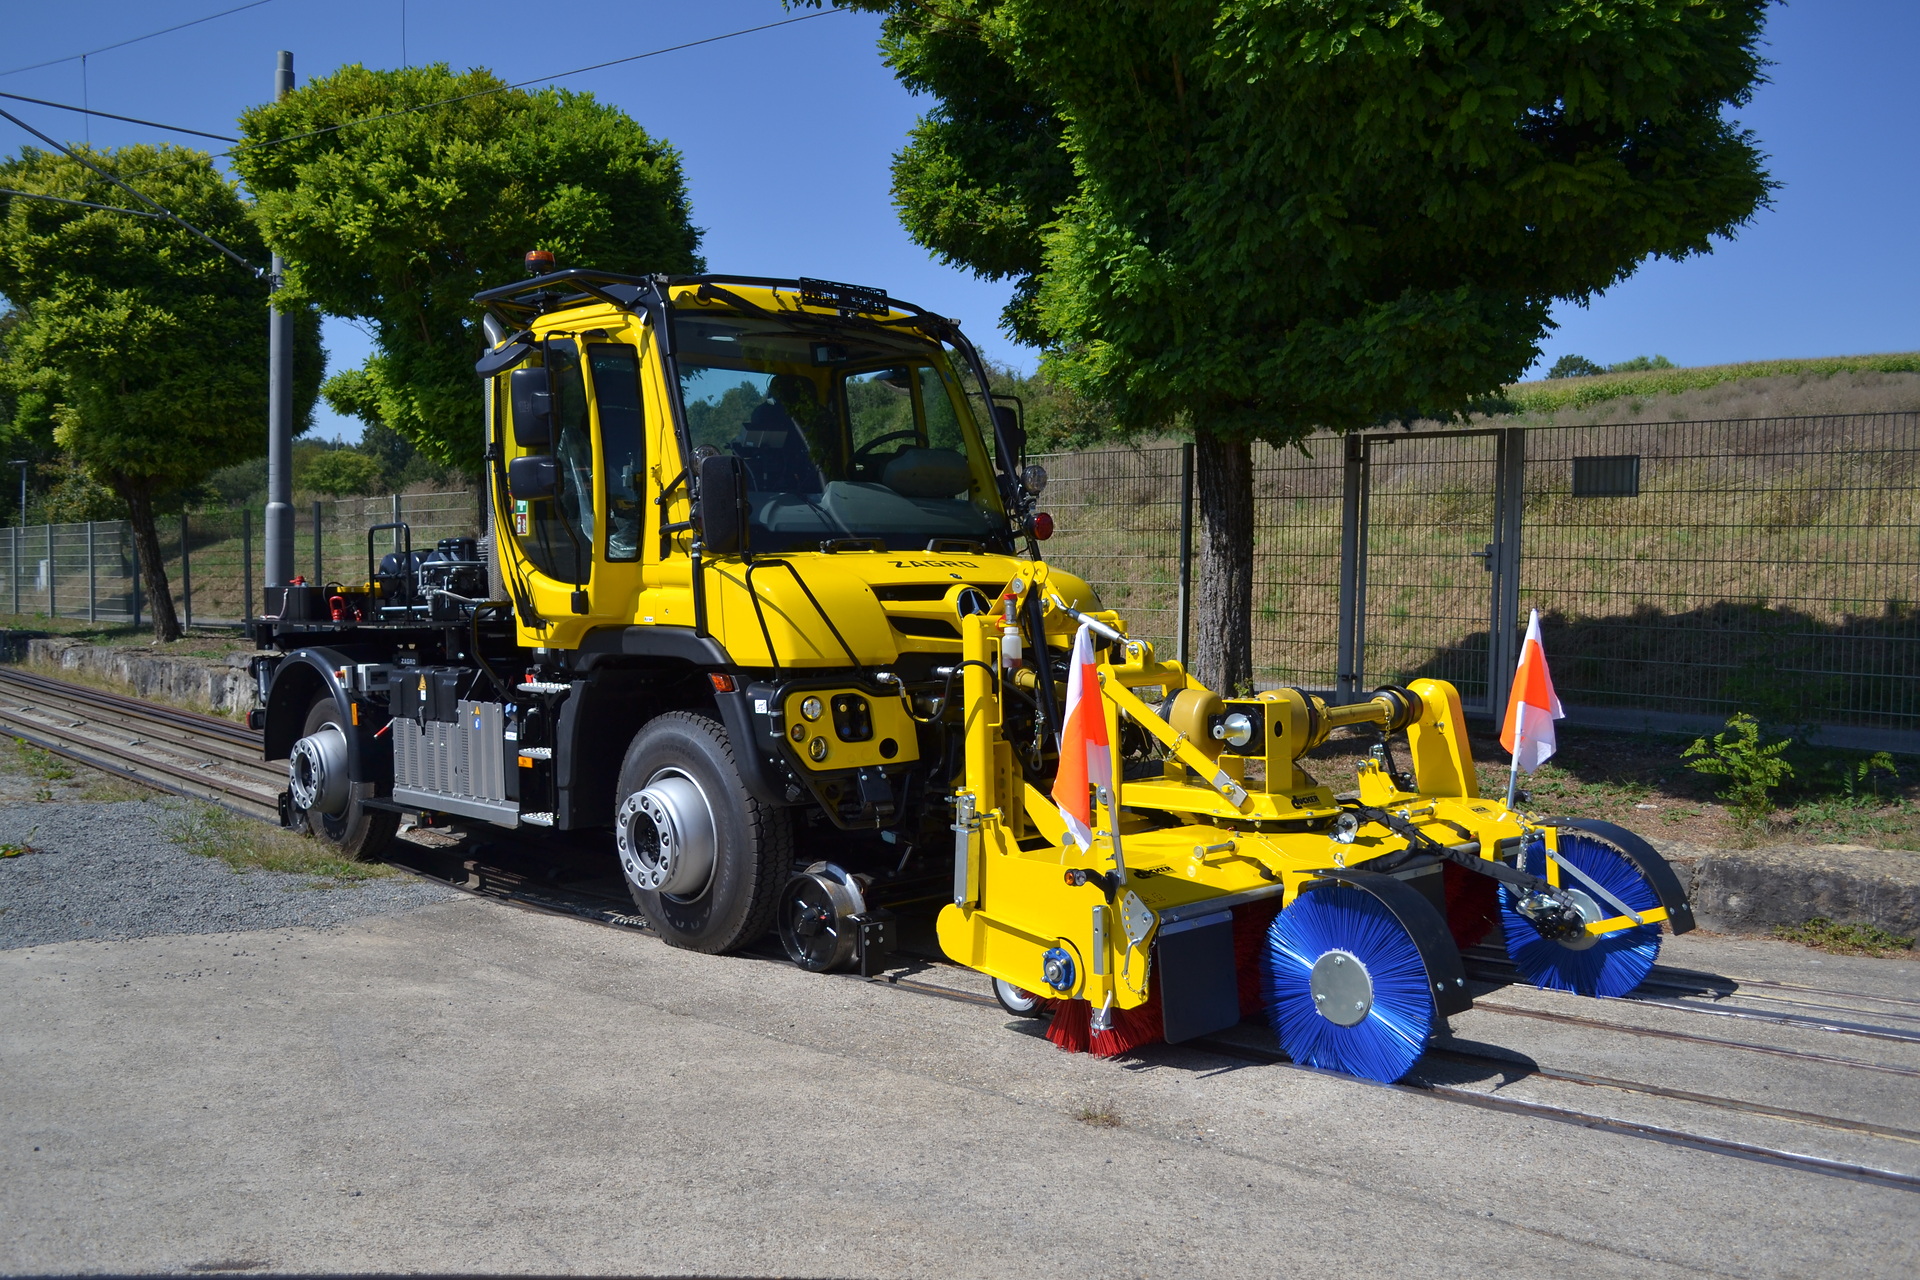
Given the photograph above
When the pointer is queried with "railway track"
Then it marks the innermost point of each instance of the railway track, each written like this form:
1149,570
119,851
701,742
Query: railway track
184,752
215,760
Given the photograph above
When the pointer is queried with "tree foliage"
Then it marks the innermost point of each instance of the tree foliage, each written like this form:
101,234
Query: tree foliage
137,348
1289,214
395,212
1281,215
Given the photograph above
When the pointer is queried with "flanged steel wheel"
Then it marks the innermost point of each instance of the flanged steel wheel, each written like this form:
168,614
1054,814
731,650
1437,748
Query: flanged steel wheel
815,918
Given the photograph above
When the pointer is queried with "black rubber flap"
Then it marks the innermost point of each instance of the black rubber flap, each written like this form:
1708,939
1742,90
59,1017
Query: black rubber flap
1199,993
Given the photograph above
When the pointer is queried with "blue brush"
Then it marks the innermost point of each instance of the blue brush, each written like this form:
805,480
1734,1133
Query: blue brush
1384,1044
1615,963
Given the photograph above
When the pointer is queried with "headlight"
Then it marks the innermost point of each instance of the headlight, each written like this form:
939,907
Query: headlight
811,708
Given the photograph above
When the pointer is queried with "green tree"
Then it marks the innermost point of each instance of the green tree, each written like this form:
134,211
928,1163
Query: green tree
1288,214
394,212
1572,366
139,349
340,473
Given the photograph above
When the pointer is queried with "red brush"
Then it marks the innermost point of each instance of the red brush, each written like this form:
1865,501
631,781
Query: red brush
1473,905
1132,1028
1070,1027
1250,925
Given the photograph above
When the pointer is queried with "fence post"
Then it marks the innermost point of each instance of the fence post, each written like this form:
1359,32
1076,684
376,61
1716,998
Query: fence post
186,571
246,564
93,581
1503,625
1185,608
53,602
1352,541
133,541
14,556
396,520
319,560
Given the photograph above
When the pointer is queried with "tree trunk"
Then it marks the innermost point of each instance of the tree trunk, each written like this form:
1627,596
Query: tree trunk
151,561
1223,577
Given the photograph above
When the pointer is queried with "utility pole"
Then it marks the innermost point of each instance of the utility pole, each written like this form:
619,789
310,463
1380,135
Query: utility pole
279,522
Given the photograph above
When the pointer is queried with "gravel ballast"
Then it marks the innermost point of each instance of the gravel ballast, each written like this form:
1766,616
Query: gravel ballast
107,871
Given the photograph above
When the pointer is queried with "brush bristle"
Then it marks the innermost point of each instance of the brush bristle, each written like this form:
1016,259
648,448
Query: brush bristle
1070,1027
1473,905
1387,1041
1132,1028
1614,964
1250,925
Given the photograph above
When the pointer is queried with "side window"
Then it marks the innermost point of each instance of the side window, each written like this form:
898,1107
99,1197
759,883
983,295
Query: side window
557,534
615,369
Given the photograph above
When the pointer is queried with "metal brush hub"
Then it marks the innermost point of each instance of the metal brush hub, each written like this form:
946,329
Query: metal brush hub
1590,911
1342,988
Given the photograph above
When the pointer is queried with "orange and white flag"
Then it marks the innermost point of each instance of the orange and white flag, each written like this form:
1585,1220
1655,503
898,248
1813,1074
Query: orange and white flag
1532,707
1086,757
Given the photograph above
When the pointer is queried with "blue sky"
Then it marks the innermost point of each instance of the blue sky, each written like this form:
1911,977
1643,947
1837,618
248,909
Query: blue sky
1834,268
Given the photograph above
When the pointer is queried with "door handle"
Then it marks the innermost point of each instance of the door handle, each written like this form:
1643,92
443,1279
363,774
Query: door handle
1486,557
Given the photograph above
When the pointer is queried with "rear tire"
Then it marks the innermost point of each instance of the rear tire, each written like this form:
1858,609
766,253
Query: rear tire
729,875
360,833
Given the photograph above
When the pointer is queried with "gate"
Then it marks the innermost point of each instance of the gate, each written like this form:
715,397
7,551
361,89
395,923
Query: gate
1430,561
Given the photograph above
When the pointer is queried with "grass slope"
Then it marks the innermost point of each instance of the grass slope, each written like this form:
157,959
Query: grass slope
1555,394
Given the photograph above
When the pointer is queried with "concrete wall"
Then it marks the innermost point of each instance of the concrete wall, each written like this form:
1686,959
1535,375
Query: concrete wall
221,685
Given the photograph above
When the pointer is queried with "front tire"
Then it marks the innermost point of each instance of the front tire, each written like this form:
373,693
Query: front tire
357,831
704,859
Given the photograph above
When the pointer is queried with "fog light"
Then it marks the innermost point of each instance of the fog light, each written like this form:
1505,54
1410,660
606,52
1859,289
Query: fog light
817,749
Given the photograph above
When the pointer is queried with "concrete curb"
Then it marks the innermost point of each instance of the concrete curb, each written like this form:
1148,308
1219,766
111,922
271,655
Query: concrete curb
219,684
1752,890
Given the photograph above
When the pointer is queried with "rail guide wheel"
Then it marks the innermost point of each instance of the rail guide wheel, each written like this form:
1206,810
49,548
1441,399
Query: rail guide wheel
1347,989
816,917
1612,964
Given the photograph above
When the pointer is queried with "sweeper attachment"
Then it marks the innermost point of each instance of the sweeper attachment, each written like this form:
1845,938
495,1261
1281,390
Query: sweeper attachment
1191,873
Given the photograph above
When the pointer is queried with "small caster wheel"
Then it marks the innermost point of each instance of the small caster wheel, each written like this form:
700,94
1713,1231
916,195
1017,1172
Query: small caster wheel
1019,1003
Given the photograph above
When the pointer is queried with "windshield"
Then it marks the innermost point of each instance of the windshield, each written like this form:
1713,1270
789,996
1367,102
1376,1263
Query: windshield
845,432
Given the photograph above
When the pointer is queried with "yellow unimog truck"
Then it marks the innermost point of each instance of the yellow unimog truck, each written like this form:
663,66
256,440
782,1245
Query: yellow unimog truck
762,571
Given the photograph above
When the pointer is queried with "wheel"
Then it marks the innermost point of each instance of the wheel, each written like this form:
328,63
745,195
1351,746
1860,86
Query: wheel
704,859
1613,963
1346,987
322,788
1018,1002
815,918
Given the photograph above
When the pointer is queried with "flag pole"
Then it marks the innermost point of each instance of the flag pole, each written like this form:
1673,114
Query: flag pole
1513,781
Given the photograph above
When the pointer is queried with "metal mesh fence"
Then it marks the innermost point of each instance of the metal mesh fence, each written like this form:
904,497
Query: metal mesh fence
1692,568
214,559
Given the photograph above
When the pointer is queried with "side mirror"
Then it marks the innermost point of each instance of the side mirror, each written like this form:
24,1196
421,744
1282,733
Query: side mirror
532,409
533,478
1007,419
723,504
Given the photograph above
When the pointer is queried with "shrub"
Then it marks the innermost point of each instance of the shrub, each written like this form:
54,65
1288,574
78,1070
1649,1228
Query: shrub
1752,769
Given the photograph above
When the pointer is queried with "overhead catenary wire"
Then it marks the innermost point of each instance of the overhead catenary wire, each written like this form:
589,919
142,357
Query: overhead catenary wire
482,93
108,115
160,209
121,44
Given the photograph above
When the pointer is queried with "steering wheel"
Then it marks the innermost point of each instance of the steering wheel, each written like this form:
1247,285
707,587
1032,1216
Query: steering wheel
860,461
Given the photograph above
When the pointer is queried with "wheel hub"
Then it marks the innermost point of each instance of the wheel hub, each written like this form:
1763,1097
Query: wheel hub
1342,988
666,837
317,772
1590,911
816,917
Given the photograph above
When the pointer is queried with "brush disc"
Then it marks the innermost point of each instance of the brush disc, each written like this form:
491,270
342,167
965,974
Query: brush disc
1611,965
1346,988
